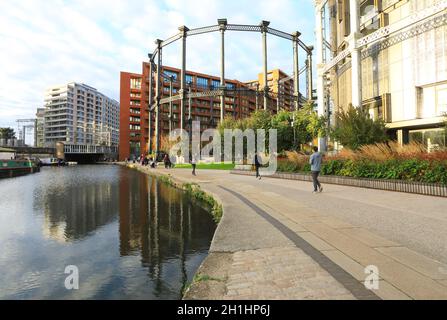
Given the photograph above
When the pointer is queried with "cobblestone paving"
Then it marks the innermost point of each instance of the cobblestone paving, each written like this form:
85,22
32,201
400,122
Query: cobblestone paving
280,273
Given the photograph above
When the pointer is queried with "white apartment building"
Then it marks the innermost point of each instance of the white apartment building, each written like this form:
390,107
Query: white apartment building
79,114
39,138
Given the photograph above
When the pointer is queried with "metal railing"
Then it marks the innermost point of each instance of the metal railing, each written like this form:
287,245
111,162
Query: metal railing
423,188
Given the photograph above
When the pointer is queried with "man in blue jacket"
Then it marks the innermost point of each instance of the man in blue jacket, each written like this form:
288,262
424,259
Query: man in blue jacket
315,162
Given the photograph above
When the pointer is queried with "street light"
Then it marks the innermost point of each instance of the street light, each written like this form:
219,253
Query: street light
292,124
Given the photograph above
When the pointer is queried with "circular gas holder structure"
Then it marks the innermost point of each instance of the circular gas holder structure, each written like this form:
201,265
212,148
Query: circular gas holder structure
184,95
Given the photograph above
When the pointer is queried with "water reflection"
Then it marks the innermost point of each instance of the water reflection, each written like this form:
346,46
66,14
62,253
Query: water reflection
79,210
160,224
131,236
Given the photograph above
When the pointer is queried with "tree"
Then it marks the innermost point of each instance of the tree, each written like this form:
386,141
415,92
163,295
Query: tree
355,128
293,128
7,133
308,125
282,123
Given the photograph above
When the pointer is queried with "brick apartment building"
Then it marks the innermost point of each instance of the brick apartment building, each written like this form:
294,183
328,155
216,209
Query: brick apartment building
134,99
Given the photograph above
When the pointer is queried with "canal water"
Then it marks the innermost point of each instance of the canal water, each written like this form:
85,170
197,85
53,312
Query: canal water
129,235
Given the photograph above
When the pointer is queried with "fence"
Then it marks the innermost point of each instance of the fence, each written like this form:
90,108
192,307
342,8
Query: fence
428,189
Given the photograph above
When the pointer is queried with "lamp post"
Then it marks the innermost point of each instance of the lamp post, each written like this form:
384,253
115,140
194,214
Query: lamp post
292,124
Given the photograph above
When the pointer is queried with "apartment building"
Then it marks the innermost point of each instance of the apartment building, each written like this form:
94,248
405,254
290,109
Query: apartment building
79,114
280,84
39,138
134,99
389,57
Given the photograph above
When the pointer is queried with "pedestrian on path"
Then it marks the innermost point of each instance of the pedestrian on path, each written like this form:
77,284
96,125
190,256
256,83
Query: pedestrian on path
315,162
257,163
194,164
167,161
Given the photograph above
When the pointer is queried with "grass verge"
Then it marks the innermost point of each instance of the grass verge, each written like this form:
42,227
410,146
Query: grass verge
204,166
197,193
197,279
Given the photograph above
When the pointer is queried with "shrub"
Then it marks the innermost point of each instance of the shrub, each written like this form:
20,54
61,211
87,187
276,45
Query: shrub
378,161
195,192
354,128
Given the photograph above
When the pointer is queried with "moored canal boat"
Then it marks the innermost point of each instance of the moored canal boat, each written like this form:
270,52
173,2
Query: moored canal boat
14,168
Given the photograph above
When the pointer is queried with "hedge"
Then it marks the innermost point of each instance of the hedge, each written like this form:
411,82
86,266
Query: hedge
409,170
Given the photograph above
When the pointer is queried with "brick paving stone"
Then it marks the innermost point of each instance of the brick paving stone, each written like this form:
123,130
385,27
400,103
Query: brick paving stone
280,273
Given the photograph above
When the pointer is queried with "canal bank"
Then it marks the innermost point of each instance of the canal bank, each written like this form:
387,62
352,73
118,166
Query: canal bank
278,241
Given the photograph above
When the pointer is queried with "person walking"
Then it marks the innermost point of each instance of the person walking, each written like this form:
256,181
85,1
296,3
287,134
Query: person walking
166,161
315,162
257,166
194,164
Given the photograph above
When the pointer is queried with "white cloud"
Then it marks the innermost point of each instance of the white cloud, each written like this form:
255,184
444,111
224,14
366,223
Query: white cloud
48,42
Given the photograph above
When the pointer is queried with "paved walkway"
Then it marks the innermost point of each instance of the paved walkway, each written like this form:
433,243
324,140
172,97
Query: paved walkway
279,241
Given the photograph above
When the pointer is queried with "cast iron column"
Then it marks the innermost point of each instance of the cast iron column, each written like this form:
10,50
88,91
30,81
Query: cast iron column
158,89
322,141
296,69
309,73
356,68
183,31
171,79
223,26
264,25
151,100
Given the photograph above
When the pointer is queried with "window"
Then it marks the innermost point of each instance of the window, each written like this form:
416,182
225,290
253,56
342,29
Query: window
230,86
169,74
433,139
189,79
135,83
441,100
215,83
432,101
202,82
134,150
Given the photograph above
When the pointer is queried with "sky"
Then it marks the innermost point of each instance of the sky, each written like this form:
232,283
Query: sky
51,42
